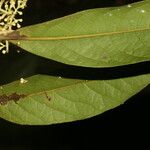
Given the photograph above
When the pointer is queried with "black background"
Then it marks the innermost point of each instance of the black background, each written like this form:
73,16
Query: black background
124,127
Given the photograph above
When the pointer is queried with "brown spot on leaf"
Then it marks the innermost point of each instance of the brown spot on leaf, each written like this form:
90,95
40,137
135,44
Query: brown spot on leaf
48,97
4,99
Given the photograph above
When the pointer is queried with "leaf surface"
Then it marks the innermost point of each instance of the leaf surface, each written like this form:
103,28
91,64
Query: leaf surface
49,100
102,37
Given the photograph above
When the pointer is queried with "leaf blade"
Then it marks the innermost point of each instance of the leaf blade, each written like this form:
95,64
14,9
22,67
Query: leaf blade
51,100
94,38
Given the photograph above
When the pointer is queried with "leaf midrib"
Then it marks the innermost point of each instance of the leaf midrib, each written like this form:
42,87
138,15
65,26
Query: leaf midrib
60,88
84,35
23,37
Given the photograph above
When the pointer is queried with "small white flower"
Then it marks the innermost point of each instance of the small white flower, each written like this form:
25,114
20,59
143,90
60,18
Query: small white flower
129,6
9,9
4,52
22,81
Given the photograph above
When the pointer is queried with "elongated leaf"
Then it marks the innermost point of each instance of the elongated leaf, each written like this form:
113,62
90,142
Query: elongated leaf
94,38
48,100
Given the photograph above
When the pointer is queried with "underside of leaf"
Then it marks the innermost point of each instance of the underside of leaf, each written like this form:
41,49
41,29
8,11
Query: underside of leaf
104,37
50,100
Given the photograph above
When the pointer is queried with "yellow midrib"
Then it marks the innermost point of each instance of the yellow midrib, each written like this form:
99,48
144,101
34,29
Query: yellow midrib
27,38
83,36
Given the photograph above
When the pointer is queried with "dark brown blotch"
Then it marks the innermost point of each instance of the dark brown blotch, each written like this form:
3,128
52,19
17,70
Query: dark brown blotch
4,99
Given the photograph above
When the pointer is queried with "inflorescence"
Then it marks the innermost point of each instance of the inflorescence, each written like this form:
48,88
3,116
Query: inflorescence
9,9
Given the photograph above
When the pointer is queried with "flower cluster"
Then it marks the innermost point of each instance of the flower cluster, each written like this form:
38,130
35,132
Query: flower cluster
9,9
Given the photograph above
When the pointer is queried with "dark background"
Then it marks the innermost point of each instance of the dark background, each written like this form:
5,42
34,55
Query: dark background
124,127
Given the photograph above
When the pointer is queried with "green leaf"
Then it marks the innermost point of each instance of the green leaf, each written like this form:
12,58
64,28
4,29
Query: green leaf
48,100
102,37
